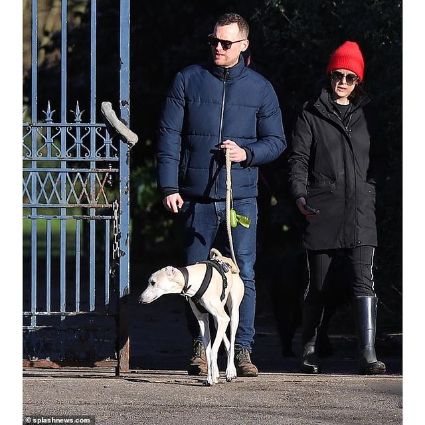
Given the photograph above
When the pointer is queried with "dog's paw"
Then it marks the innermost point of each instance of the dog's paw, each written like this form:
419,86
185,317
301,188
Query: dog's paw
215,374
231,374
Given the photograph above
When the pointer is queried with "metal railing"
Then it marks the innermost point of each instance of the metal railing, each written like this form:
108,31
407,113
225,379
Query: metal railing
76,199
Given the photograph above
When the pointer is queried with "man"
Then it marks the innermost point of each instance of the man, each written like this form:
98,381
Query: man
211,108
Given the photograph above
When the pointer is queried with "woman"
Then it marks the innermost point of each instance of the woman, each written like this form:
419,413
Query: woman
330,181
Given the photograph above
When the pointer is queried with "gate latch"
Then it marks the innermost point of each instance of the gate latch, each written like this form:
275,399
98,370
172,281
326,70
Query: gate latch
115,232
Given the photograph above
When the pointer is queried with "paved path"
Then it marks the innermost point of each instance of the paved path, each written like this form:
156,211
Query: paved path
172,397
159,392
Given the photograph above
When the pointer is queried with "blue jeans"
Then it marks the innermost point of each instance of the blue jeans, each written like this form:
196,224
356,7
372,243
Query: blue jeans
205,227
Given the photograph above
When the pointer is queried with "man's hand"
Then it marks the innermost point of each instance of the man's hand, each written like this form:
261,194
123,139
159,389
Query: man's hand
173,202
301,202
237,154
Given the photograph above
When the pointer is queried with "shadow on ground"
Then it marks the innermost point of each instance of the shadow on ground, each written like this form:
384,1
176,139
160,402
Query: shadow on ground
160,340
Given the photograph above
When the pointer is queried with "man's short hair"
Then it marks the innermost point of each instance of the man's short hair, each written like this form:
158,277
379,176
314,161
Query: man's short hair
234,18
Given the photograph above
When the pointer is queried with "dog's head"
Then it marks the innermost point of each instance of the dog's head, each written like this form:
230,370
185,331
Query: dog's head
215,254
164,281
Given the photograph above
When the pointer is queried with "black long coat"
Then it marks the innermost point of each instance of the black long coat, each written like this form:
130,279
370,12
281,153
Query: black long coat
329,164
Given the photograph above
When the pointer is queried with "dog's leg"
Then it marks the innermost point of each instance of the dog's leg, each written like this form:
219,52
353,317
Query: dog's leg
234,320
221,320
226,343
204,327
233,301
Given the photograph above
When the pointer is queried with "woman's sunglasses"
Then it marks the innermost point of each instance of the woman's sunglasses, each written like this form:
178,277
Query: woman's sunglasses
225,44
350,79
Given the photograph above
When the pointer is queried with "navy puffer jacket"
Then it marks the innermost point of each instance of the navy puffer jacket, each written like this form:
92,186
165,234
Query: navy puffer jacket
205,106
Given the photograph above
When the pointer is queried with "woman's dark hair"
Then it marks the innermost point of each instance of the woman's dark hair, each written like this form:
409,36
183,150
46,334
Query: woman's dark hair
357,93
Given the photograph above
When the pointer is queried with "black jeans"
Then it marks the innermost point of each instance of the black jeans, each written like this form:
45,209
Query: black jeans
357,272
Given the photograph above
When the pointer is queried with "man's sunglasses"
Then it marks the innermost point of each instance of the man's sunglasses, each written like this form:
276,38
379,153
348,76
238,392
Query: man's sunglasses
225,44
350,79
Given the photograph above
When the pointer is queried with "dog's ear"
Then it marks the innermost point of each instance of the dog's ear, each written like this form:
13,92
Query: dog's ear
170,271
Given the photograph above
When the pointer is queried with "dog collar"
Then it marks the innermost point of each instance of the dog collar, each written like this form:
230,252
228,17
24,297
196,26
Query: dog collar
185,274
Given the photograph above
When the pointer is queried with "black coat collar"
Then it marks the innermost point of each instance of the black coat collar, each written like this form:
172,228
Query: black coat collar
324,101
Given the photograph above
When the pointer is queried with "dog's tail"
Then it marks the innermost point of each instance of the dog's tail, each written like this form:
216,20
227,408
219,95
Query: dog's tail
216,254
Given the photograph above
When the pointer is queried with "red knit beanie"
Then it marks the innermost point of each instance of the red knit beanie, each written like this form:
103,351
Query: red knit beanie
347,56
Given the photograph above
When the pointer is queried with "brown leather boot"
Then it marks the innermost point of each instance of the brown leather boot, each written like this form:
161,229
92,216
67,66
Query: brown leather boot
244,366
198,362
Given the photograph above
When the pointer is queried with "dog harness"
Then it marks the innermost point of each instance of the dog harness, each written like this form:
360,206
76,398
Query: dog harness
221,267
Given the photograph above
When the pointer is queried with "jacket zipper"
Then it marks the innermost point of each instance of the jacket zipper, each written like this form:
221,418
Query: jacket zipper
355,177
356,229
223,99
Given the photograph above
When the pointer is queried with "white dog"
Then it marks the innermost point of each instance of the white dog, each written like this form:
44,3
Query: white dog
206,298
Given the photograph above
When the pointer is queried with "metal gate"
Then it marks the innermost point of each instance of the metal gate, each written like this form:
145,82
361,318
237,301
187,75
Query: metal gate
76,215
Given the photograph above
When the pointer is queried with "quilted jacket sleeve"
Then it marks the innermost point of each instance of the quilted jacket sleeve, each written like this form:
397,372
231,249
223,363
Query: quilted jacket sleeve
169,143
271,140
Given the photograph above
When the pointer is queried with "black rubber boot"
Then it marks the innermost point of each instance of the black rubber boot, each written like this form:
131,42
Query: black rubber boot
365,309
312,318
